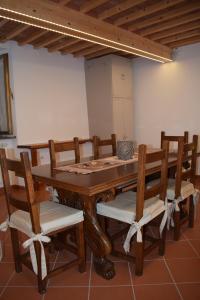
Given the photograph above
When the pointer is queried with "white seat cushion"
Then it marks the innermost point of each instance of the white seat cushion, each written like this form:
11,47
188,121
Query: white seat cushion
53,216
187,188
123,207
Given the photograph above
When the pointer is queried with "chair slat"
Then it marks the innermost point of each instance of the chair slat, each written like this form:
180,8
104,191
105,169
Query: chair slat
64,146
15,166
154,156
105,142
189,147
98,143
153,191
19,204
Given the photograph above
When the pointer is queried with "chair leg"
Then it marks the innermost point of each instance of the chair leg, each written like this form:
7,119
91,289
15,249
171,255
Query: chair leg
16,249
139,258
162,242
81,247
41,283
191,212
176,225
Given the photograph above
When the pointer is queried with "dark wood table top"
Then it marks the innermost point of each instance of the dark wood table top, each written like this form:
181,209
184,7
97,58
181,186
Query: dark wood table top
93,183
46,145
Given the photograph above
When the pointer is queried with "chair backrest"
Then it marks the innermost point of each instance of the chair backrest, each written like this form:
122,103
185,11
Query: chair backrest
22,169
58,147
145,162
99,143
173,138
187,153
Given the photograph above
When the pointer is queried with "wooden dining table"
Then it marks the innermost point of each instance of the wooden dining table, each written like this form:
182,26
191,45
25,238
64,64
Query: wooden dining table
83,191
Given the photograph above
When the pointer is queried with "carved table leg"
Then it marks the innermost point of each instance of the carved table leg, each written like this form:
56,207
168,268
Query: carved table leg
96,238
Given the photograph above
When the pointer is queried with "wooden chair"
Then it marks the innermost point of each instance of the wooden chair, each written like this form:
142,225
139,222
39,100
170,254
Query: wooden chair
170,139
140,209
173,138
58,147
181,188
39,222
99,143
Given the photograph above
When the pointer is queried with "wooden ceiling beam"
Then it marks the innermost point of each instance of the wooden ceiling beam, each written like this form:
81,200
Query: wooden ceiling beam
188,41
13,33
172,23
180,36
175,30
30,38
74,48
89,50
48,15
63,45
116,9
146,10
47,41
100,53
165,15
91,4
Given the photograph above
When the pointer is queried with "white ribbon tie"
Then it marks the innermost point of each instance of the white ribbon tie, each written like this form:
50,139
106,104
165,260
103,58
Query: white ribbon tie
3,227
30,243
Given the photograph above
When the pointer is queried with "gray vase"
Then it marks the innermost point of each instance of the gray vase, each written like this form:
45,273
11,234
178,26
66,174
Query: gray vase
125,150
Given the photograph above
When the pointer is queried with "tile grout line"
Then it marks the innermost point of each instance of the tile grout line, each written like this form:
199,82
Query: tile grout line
172,277
134,295
198,255
5,287
90,275
100,286
193,248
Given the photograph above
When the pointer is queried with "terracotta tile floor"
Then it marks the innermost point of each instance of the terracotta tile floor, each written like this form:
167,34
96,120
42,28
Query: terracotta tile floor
176,276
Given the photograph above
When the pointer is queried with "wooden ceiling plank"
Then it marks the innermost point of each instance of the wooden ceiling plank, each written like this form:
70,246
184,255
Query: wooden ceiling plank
175,30
89,5
180,36
13,33
34,36
3,22
67,21
101,53
47,41
192,40
74,48
170,24
146,10
63,45
125,54
165,16
116,9
64,2
88,50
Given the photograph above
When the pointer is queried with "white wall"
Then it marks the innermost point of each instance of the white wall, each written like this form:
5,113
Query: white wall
49,96
167,96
